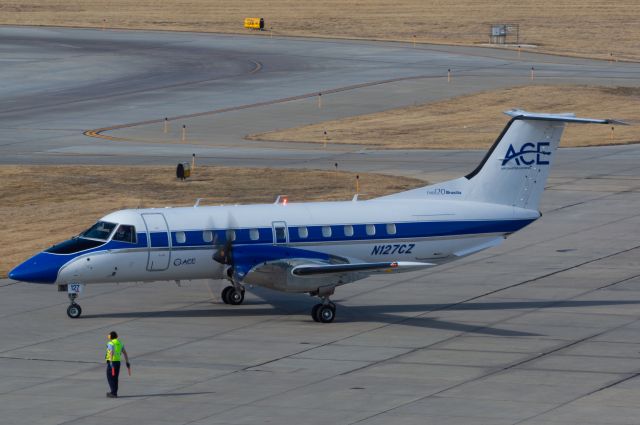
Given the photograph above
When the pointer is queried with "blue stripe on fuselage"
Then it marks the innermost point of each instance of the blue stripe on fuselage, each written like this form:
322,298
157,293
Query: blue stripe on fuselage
194,238
159,239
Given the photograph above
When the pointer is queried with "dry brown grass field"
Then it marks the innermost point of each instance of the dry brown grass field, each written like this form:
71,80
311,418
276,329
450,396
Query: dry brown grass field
474,121
52,203
593,28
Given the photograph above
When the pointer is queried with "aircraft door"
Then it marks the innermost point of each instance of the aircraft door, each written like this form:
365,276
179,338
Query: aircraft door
280,232
158,240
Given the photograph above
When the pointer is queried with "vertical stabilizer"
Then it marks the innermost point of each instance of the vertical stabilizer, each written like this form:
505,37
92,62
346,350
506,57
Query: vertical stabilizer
515,170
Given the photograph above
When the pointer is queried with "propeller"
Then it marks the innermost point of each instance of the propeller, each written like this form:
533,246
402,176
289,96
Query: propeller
223,253
224,249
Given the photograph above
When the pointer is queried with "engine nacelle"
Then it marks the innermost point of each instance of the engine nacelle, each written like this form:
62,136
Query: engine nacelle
277,275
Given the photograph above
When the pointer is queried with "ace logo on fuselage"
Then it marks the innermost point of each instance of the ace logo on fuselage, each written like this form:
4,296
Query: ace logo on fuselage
528,155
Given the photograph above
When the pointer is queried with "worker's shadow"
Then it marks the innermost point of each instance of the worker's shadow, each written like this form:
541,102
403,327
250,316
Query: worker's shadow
165,394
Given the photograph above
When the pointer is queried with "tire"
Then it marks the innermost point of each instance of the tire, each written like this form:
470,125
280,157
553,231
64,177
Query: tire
225,294
314,312
235,297
74,311
326,313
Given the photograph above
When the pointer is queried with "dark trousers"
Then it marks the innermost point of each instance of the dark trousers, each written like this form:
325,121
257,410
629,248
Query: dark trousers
111,379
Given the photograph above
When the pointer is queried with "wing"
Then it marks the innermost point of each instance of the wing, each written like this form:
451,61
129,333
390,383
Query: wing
300,270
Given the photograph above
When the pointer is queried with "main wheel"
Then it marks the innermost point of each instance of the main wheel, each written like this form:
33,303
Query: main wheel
314,312
235,297
225,294
326,313
74,311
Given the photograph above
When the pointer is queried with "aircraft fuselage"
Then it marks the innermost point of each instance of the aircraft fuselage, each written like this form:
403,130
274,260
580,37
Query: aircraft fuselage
178,243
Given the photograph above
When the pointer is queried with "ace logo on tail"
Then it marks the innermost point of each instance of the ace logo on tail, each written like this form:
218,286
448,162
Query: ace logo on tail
529,154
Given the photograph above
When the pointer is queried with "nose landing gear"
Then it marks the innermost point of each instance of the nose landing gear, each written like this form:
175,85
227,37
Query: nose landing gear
73,290
74,310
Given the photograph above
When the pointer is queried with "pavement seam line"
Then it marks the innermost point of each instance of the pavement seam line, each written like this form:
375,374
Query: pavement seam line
374,363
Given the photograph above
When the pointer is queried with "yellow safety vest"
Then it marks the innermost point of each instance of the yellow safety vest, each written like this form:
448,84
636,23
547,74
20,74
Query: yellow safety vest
117,350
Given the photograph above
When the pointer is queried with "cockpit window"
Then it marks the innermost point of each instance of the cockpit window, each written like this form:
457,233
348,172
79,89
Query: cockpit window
100,231
74,245
97,235
125,233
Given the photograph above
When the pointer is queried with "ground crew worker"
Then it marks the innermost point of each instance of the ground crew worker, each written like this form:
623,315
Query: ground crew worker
114,351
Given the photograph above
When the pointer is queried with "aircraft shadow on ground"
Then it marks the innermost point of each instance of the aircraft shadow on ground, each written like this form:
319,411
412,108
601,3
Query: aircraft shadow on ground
391,314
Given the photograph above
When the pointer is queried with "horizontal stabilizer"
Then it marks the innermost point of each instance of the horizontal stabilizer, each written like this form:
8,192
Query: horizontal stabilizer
308,270
566,117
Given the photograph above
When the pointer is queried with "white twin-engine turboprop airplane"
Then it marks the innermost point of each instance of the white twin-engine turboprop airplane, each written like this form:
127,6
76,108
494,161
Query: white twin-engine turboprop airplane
316,246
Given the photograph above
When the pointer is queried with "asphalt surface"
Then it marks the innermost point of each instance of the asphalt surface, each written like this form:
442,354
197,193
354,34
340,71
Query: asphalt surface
541,330
58,83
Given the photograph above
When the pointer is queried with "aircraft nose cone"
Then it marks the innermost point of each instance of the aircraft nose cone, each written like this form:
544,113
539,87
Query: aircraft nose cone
21,273
16,274
38,269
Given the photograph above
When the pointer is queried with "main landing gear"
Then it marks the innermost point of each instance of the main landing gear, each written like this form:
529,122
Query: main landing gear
233,295
324,312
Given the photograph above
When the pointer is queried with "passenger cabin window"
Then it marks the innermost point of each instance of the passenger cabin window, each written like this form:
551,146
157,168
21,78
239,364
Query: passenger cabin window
254,234
391,229
371,229
207,236
125,233
326,231
181,237
348,230
303,232
231,235
101,231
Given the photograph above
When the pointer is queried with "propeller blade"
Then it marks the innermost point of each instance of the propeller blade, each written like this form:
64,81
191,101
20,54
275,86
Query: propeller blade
223,253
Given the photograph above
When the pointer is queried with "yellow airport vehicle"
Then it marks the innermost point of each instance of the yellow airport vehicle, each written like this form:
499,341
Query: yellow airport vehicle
254,23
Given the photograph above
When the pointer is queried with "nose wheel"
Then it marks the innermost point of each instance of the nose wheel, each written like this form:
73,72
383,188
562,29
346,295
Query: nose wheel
74,310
